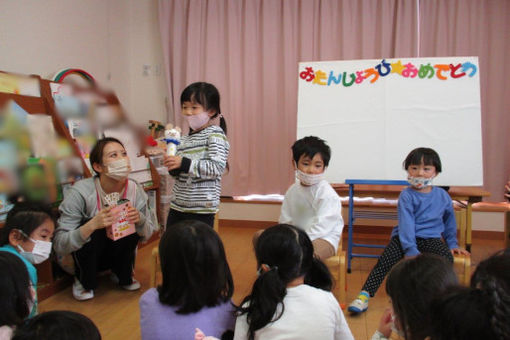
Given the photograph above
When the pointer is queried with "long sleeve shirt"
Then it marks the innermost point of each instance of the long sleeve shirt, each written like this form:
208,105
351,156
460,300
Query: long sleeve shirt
425,215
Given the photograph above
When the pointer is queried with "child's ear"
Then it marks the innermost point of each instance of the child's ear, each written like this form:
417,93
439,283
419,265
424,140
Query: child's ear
211,113
15,238
97,167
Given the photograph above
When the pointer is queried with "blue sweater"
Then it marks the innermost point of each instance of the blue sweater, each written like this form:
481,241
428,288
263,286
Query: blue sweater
425,215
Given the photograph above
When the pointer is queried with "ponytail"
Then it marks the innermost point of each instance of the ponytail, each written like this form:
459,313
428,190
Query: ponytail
319,276
223,124
261,306
500,302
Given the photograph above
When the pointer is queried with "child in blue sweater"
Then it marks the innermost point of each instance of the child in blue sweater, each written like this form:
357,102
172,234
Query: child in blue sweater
425,218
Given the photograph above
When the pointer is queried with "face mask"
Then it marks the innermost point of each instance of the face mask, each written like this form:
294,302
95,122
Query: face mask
119,169
40,253
419,182
308,179
198,120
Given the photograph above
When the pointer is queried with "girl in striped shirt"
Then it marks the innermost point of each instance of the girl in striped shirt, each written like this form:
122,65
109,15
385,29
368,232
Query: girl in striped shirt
201,157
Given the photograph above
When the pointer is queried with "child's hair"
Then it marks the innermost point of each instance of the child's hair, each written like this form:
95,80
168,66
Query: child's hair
425,155
492,276
463,313
194,267
15,294
206,95
412,284
25,216
288,254
58,325
310,146
96,154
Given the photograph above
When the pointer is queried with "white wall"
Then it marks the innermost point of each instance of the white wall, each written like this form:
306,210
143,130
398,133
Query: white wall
110,39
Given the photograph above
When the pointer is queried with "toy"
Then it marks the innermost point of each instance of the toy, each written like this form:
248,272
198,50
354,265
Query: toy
172,139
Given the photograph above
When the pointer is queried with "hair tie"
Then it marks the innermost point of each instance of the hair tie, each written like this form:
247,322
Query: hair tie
264,268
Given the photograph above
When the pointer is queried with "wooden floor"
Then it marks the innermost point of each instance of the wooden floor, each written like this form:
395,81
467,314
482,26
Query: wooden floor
116,314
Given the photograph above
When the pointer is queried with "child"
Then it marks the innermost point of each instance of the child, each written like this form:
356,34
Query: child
290,298
58,325
27,234
470,314
311,204
425,214
16,293
493,273
201,157
85,213
412,284
197,286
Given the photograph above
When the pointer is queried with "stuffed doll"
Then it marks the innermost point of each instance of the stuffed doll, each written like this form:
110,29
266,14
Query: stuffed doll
172,139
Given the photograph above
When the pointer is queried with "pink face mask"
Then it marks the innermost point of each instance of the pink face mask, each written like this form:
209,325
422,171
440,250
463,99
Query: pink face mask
197,121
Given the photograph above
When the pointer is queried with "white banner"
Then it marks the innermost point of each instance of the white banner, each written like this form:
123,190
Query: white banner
372,113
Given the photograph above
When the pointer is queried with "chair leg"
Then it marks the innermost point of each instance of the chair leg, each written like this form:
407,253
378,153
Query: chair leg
342,281
154,266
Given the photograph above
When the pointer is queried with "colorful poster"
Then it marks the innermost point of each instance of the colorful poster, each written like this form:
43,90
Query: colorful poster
373,113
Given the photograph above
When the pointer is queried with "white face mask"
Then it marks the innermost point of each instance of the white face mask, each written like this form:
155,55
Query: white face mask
197,121
40,253
419,182
308,179
118,169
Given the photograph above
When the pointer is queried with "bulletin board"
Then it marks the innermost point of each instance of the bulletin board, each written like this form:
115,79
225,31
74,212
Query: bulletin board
372,113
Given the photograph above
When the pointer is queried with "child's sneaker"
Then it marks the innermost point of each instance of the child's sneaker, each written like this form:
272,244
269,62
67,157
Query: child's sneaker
80,293
360,304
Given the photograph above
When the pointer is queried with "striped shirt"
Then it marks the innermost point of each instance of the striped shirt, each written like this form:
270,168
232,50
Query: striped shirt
198,190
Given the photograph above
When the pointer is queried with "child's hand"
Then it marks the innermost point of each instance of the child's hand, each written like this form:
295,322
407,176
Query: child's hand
459,251
199,335
133,215
172,162
103,219
385,323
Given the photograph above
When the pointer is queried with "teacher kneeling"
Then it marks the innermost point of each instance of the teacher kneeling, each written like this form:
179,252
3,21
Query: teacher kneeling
86,214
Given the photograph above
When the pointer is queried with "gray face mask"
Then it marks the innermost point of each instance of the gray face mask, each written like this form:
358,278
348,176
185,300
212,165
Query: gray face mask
119,169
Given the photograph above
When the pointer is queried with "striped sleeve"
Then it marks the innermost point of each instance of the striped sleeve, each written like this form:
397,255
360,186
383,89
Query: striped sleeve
214,162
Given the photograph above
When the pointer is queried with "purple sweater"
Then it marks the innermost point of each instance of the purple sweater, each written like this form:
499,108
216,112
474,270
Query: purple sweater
158,321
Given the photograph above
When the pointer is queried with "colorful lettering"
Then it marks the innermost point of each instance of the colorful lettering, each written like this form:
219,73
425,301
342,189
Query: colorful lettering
334,79
467,65
409,71
319,77
386,66
371,72
308,74
454,69
353,78
426,71
441,68
359,77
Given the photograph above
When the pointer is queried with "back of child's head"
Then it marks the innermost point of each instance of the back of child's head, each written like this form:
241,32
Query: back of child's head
427,156
208,96
283,254
194,267
310,146
412,284
26,217
493,273
463,313
58,325
15,292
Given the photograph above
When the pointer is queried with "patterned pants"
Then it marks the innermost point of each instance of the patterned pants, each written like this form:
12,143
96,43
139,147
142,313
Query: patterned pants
394,253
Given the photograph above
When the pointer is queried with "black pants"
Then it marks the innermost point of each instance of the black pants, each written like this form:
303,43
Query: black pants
175,216
102,253
394,253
